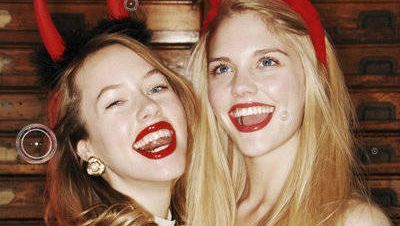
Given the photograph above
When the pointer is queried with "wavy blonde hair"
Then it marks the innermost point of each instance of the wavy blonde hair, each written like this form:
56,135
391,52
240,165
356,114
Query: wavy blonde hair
75,198
321,181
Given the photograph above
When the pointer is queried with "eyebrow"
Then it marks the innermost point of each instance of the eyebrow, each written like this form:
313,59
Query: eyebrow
227,59
105,89
265,51
256,53
152,72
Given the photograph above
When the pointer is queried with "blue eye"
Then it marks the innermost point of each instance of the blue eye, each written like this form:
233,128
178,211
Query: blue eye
267,62
157,89
222,69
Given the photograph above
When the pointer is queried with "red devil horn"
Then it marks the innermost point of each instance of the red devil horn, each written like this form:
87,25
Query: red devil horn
117,9
51,38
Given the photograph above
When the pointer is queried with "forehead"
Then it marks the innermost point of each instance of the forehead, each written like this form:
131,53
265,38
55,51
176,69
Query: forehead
110,64
242,31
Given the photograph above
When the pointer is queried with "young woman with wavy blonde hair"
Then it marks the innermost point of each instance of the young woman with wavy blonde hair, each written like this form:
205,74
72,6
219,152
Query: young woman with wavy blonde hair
279,114
127,129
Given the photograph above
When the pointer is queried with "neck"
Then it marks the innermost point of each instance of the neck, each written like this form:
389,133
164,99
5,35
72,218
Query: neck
267,174
155,197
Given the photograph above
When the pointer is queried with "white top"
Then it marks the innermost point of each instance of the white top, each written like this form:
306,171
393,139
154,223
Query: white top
165,222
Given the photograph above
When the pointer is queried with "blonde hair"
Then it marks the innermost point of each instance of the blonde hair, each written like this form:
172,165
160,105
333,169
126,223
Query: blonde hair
321,181
75,198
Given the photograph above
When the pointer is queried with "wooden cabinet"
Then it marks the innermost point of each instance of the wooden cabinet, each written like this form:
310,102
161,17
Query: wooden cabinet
361,21
366,34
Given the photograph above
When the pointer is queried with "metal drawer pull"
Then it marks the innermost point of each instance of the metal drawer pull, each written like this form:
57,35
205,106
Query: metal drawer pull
376,154
4,60
377,20
5,18
378,65
6,197
384,197
376,111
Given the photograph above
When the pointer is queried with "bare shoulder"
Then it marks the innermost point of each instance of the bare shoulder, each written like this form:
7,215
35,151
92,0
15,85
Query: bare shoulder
364,214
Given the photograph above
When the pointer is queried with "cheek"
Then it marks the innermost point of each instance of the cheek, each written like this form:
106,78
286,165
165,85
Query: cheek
216,98
174,110
285,90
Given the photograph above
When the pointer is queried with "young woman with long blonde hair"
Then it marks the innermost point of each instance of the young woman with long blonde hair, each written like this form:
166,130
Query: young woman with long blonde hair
279,116
127,128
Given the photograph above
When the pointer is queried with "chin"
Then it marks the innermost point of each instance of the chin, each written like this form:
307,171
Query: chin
172,167
253,151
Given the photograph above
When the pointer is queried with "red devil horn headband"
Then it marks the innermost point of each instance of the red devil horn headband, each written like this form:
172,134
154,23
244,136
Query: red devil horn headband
55,45
303,8
117,9
51,38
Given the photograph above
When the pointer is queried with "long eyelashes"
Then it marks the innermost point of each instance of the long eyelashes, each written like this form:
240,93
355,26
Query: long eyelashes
221,67
153,90
267,61
115,103
158,89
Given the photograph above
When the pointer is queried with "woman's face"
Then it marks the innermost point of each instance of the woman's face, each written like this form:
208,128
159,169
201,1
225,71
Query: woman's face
255,85
135,121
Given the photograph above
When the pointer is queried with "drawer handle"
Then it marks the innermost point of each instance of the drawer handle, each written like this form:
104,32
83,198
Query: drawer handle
6,197
376,154
376,111
377,20
3,61
378,65
8,154
5,18
384,197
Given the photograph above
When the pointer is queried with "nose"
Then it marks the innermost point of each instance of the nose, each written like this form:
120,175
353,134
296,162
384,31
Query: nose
243,85
148,109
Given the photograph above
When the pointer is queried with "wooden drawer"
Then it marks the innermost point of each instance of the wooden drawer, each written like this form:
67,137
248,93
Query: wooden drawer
16,69
10,162
379,152
368,66
377,110
171,21
22,222
175,57
385,191
20,109
361,21
21,197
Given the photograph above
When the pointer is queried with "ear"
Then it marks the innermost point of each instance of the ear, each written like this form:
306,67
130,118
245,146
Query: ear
83,150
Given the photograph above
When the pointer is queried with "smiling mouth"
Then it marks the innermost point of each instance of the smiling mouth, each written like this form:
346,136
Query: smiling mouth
251,117
156,141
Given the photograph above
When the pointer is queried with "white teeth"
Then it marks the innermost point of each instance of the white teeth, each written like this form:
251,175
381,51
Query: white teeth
152,137
252,111
159,148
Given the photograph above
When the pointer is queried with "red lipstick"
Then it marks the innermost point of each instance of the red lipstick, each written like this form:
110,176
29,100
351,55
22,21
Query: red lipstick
165,151
262,118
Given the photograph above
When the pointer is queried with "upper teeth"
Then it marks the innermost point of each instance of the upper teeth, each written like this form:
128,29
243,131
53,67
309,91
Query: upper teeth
152,137
252,111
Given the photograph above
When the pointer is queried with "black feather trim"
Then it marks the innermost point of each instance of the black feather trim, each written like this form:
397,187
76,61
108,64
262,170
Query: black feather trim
50,71
134,28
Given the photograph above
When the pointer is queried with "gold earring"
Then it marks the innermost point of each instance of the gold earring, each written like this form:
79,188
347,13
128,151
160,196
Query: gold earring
95,167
